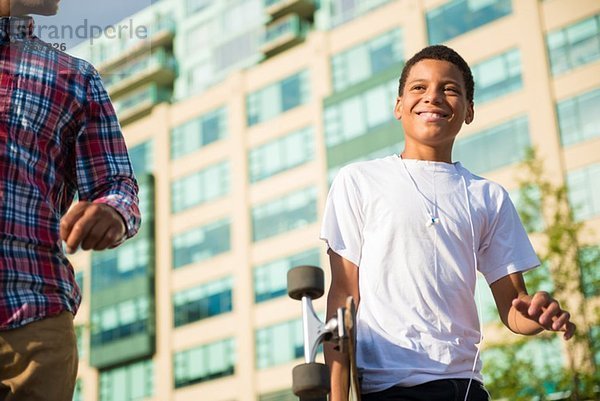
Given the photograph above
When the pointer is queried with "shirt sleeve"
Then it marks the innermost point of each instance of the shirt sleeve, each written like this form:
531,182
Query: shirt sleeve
505,248
104,171
343,218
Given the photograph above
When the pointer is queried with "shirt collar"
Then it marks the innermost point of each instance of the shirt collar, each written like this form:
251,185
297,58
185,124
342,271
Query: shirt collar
13,29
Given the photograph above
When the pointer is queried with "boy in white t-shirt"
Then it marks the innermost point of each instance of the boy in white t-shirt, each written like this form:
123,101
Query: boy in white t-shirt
407,235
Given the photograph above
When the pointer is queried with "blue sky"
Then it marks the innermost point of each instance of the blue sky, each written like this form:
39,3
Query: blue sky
84,14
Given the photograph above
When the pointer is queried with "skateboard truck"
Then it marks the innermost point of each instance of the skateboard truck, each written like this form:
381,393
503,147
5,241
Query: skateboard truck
311,380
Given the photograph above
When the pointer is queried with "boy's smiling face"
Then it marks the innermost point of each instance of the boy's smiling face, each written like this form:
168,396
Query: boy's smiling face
433,105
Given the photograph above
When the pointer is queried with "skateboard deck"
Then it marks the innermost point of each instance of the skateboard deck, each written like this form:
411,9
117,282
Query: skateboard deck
350,329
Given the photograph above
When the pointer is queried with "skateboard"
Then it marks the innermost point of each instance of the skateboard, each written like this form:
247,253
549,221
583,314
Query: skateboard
311,380
350,330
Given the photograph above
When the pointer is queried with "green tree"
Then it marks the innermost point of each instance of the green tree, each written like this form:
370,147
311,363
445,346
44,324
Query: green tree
573,267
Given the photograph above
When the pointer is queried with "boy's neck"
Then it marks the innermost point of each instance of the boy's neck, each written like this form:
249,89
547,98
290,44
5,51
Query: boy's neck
429,154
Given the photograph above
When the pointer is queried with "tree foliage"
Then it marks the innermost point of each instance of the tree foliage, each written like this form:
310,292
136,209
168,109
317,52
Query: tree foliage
574,269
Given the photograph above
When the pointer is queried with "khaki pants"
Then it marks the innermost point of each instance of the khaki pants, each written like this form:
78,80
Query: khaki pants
38,362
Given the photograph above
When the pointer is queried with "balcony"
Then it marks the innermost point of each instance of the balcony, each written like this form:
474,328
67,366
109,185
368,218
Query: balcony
279,8
140,102
283,34
160,67
160,35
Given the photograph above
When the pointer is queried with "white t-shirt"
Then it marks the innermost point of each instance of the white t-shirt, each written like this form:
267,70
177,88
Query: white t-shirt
417,318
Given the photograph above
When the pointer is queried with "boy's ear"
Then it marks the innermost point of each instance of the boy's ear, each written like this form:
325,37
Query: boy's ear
398,108
470,114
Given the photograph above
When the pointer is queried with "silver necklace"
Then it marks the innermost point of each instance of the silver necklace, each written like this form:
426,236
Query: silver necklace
433,218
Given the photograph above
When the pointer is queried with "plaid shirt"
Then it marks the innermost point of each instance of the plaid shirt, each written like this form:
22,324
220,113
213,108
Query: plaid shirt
58,136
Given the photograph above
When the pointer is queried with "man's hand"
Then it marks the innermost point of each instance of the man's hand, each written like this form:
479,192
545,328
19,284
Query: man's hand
92,226
545,311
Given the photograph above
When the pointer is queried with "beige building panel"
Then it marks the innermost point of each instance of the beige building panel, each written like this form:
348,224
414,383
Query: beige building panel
225,389
284,183
196,274
280,67
275,378
204,157
285,243
193,275
582,79
292,120
557,14
582,154
200,215
214,97
205,332
283,310
383,19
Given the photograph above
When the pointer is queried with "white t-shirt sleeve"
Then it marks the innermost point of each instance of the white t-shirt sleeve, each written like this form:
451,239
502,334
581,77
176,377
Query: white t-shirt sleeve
505,248
343,218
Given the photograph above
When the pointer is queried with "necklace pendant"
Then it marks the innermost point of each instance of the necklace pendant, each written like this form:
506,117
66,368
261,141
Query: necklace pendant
432,221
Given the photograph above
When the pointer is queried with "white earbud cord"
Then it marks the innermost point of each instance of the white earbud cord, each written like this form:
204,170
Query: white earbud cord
432,217
468,201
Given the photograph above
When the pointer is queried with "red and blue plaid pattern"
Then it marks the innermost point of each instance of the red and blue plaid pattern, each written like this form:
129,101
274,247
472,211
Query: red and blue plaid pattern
59,136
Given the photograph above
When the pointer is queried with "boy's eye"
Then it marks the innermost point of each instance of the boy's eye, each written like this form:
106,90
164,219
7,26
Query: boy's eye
452,89
418,87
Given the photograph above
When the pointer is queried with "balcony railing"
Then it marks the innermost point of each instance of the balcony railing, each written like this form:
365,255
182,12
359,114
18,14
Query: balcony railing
160,33
140,102
283,34
279,8
159,67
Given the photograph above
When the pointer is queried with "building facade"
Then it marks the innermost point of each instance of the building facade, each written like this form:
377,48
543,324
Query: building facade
238,114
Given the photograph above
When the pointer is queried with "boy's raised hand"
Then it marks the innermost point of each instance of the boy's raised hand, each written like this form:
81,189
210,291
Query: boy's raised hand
545,311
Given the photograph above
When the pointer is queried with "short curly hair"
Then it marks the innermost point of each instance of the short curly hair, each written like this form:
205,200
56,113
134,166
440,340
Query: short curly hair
443,53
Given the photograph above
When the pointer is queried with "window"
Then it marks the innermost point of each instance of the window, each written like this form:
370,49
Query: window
343,11
357,115
129,261
80,334
284,214
207,362
279,343
589,260
282,154
495,147
584,191
204,186
194,6
133,382
575,45
78,393
79,279
120,321
497,76
278,98
202,302
195,134
367,59
142,158
201,243
270,279
281,395
461,16
578,118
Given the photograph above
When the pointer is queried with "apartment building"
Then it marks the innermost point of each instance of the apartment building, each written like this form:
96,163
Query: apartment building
239,113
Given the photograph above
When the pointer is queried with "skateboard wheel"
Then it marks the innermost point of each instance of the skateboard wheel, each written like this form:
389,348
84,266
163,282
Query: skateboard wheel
310,381
305,280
